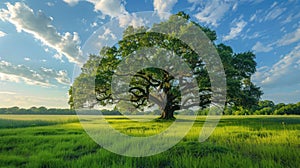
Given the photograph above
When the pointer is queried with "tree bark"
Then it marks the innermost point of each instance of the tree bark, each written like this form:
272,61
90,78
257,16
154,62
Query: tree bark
167,115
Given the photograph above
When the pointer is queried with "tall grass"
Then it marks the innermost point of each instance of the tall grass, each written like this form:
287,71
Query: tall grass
19,121
242,141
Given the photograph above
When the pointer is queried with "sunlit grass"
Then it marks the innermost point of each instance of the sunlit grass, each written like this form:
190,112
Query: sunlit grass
238,141
40,117
18,121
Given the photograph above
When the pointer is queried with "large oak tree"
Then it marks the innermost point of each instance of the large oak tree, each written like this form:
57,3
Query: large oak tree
155,86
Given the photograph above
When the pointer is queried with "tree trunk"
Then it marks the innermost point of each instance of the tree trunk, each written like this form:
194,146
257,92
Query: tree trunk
167,112
167,115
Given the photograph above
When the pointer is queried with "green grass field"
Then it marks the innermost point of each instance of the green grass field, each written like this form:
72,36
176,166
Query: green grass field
238,141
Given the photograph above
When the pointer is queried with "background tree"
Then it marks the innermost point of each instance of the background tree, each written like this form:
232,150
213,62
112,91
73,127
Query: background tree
85,95
238,68
265,107
287,109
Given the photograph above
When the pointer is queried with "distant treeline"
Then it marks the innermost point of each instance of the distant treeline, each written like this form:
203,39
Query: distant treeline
52,111
265,107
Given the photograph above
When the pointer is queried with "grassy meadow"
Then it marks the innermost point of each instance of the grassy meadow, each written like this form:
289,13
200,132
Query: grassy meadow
238,141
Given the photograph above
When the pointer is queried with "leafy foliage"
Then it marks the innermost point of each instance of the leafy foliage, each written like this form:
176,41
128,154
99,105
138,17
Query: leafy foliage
239,67
266,107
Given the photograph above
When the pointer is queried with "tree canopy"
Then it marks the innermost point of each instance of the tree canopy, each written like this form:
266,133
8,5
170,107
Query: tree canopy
157,86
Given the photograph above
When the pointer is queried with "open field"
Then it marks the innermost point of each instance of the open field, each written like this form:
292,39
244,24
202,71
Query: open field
238,141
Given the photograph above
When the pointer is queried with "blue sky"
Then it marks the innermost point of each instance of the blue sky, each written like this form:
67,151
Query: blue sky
41,41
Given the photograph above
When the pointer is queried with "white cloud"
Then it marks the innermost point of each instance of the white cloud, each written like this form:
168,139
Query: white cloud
162,6
235,31
8,93
260,74
252,36
284,73
2,34
274,4
112,8
194,1
62,77
94,24
50,4
107,35
131,20
235,6
26,59
288,19
39,25
71,2
21,73
213,11
259,47
254,1
253,17
289,38
18,79
58,57
275,12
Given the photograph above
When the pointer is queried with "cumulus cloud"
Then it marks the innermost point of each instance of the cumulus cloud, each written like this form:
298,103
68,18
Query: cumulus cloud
161,6
235,31
131,20
18,79
284,73
2,34
71,2
112,8
116,9
289,38
260,74
21,73
60,76
39,25
107,35
259,47
212,11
